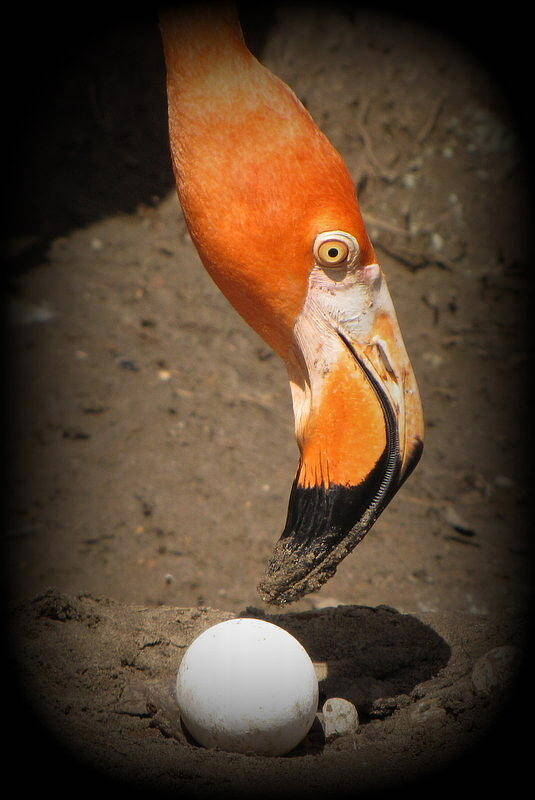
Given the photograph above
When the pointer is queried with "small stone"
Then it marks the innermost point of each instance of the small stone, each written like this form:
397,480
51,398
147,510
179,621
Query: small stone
22,313
495,668
409,181
504,482
453,518
340,718
128,364
74,433
428,710
437,241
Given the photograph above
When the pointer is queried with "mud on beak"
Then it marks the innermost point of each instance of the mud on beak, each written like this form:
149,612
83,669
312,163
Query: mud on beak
359,425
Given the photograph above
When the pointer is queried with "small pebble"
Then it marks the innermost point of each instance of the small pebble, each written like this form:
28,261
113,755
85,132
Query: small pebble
503,482
437,241
127,364
428,710
409,181
340,718
72,433
495,668
21,313
453,518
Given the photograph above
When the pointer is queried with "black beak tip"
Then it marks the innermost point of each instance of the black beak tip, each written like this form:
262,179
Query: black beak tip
293,572
302,564
323,525
291,575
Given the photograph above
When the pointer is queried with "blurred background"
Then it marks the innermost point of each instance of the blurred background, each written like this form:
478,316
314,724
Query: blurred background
151,446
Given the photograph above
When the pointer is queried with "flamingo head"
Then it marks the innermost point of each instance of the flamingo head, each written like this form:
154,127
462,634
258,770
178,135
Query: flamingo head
273,213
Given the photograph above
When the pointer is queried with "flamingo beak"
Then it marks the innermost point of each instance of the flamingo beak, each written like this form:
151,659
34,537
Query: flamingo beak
359,426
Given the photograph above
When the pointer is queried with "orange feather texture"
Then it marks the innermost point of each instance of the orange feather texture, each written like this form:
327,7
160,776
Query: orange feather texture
256,177
258,181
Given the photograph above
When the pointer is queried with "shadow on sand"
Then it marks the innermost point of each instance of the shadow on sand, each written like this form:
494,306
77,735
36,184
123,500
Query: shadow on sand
373,657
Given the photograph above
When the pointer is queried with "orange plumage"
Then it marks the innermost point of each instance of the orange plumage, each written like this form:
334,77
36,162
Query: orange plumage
256,177
264,195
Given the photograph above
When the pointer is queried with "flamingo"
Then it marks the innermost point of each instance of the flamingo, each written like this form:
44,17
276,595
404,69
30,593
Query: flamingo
272,211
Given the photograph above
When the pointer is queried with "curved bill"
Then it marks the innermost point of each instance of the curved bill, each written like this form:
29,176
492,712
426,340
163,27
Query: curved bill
358,421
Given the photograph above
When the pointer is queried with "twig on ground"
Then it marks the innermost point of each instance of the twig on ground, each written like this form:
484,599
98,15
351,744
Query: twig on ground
389,173
431,121
385,172
386,226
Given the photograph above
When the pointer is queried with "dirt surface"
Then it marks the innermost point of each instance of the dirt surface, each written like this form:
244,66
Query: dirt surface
425,688
152,433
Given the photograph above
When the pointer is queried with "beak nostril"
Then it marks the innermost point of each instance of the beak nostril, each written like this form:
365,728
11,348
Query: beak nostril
385,360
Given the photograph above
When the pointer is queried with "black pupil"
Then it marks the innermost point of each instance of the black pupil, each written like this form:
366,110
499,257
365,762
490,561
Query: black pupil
333,252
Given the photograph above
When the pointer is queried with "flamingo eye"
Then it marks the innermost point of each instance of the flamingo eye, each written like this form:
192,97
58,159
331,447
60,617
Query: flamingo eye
335,249
331,254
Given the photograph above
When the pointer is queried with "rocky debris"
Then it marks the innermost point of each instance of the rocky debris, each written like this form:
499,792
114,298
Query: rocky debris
22,313
495,669
454,519
428,710
340,718
504,482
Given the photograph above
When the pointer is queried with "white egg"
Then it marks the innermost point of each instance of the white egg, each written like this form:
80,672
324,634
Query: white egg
247,686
